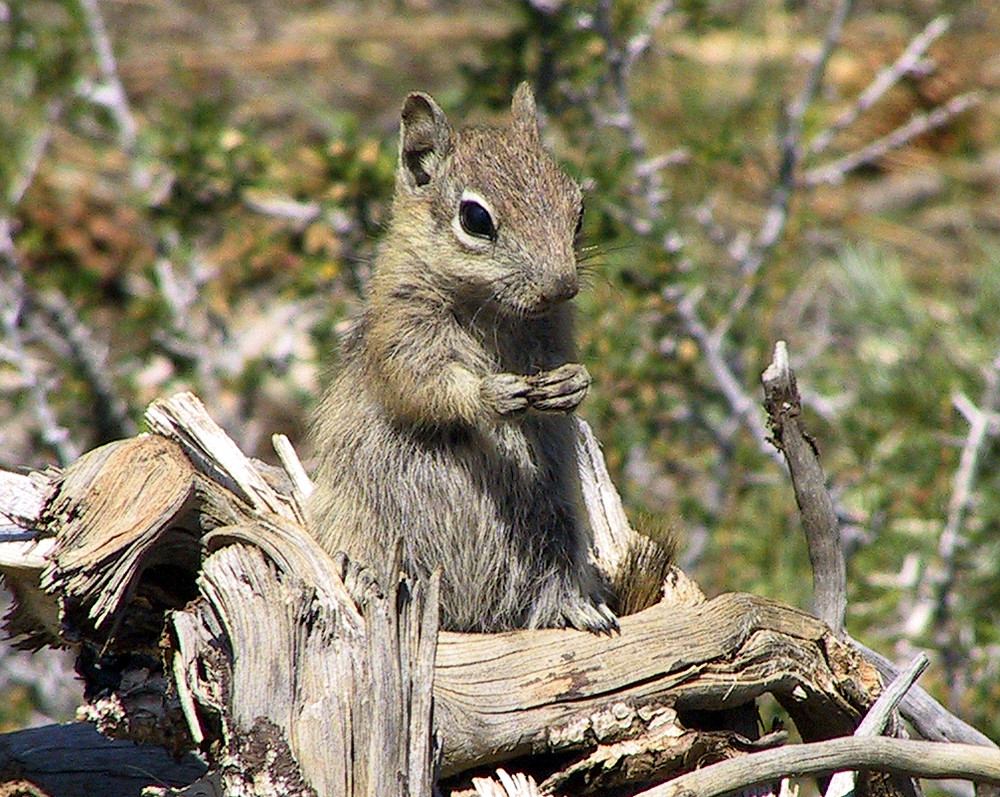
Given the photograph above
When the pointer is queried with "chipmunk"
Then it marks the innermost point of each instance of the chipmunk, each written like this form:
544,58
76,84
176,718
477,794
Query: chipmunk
447,431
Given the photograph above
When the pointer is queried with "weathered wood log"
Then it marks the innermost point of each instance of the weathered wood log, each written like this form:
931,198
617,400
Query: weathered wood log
280,659
501,696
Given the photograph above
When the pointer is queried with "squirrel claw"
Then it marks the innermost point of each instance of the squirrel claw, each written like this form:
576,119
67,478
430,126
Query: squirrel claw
566,403
594,617
359,580
559,390
505,393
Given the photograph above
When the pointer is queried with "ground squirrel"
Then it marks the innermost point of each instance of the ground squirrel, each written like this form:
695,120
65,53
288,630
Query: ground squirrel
446,431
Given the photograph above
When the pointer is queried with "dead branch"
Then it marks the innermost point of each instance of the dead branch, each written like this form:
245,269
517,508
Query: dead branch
880,713
929,717
919,124
908,62
110,93
935,588
13,293
743,407
879,717
13,297
111,411
897,756
819,520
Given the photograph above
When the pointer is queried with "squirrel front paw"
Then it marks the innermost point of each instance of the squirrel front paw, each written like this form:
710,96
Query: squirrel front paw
559,390
505,394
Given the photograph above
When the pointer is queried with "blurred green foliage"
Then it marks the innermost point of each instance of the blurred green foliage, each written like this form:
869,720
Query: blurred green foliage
880,347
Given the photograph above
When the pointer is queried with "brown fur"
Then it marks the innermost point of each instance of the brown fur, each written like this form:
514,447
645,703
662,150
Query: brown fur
446,429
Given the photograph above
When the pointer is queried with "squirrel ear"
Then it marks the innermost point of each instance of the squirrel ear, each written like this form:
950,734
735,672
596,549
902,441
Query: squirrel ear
424,139
522,108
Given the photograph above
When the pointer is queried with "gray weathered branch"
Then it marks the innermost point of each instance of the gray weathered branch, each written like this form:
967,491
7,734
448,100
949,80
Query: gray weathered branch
819,520
929,717
897,756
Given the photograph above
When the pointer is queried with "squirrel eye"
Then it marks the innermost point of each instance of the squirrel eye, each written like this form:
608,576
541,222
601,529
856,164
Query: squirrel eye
476,220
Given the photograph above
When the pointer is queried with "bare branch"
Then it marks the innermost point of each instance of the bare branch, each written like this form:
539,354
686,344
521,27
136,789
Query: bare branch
834,29
907,63
775,221
877,718
836,171
111,94
971,412
620,60
962,484
898,756
934,591
24,306
776,217
13,293
111,411
742,405
819,519
640,41
930,719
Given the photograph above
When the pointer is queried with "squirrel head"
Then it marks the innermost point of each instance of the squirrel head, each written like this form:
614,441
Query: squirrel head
486,211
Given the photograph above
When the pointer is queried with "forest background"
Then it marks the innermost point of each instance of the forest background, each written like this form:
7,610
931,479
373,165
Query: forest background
191,192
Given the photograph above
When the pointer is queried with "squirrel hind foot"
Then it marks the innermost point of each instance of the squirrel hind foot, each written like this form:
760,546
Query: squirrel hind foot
585,614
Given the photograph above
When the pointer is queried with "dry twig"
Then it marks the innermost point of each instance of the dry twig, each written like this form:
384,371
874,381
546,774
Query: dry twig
875,721
836,171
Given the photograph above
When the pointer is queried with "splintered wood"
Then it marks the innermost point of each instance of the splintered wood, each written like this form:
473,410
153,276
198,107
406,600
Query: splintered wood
296,679
123,505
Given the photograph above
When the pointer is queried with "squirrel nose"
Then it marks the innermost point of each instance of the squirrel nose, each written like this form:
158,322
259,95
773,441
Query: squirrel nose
561,288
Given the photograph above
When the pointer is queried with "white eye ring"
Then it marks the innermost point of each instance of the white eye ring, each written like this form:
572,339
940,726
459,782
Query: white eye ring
474,222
